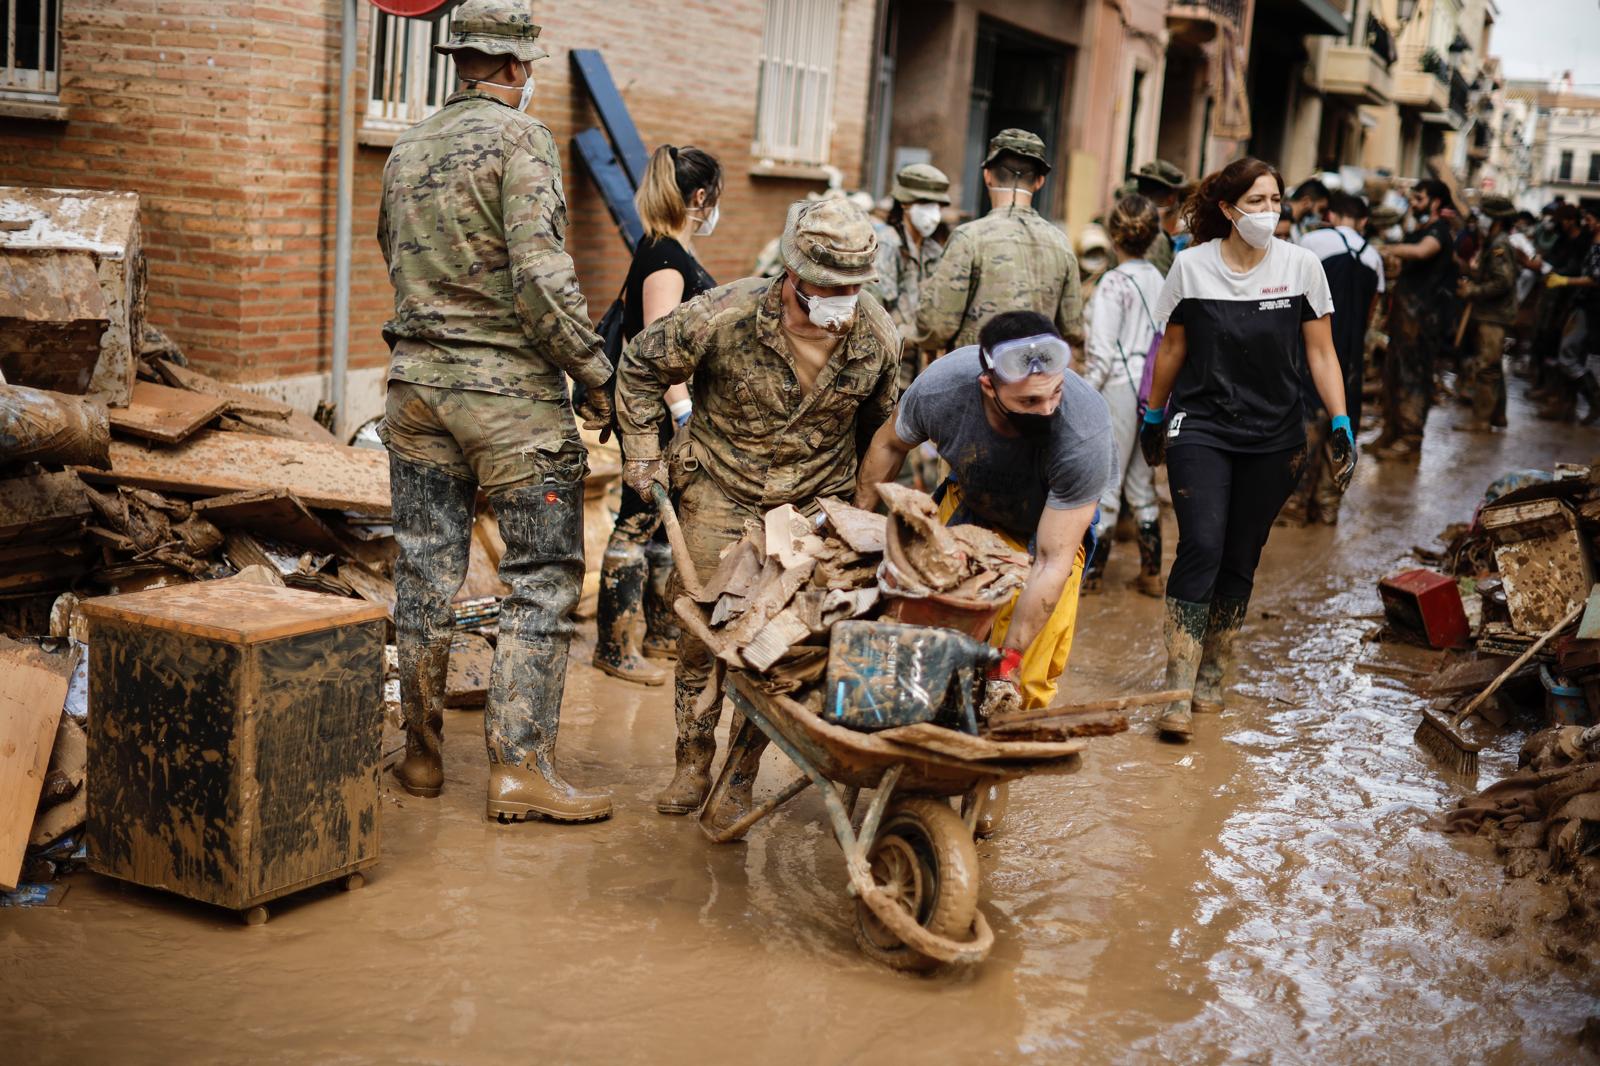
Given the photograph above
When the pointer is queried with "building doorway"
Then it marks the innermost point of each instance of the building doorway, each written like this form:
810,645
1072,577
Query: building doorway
1018,80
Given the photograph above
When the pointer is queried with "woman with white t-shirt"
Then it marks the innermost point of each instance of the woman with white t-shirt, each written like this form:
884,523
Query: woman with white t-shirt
1122,326
1225,413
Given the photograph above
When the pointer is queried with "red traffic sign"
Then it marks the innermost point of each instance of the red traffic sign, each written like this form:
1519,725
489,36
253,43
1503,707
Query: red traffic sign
415,9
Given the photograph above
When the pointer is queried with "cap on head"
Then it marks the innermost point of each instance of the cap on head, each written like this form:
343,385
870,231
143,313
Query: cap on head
1018,142
495,28
1496,206
1160,172
829,242
921,181
1383,216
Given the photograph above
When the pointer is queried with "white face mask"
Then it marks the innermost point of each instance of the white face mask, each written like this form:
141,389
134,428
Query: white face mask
527,91
833,313
1256,229
924,218
708,225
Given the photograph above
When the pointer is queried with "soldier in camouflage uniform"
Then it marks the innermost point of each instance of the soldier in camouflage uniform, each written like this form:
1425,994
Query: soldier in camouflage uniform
790,380
487,317
1162,183
907,256
1009,260
1491,287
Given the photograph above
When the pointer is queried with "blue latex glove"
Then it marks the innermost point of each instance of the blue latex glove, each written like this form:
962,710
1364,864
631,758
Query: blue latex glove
1153,436
684,419
1342,448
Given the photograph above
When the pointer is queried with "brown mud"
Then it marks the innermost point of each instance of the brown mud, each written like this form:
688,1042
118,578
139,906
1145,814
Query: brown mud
1267,893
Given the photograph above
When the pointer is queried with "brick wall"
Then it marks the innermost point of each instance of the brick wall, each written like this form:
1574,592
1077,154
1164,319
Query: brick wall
222,115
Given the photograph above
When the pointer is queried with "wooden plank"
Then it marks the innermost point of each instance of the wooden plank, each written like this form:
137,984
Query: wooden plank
33,687
593,151
1116,703
275,513
239,400
167,415
596,80
296,427
957,745
212,463
41,507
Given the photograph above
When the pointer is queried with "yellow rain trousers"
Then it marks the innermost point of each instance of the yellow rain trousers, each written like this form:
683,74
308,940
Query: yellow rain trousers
1045,659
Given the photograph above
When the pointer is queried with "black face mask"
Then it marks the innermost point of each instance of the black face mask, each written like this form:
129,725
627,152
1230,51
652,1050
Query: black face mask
1034,427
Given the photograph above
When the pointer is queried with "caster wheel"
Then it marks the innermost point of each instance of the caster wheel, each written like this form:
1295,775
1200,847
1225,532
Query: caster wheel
353,882
256,916
923,857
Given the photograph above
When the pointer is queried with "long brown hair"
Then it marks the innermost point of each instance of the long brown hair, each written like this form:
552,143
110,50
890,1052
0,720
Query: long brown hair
1203,212
670,182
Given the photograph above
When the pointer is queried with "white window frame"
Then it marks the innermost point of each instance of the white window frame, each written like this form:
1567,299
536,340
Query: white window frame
400,51
794,90
39,84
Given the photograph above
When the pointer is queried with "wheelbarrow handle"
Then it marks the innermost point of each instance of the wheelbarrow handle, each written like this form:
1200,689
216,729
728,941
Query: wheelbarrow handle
680,549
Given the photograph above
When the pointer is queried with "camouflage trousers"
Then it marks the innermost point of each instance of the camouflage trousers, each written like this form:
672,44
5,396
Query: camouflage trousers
443,445
1408,373
1316,498
1486,373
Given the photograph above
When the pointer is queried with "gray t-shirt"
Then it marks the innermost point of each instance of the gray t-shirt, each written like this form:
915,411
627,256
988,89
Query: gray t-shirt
1009,481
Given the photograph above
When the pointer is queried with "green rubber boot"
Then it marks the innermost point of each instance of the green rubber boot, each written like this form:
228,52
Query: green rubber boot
1185,631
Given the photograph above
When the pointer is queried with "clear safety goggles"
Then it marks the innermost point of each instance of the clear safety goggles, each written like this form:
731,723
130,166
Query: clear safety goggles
1015,360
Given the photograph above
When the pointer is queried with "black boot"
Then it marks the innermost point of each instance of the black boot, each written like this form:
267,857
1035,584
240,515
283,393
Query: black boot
1094,571
660,620
622,588
433,528
1149,580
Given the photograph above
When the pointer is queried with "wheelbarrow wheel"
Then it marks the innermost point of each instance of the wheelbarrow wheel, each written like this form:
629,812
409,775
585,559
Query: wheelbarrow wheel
924,857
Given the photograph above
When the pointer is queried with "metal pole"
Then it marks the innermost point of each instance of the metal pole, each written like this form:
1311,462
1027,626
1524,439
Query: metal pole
342,219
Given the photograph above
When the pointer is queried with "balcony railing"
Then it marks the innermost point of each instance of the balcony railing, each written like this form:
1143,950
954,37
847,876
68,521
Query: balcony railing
1459,93
1381,41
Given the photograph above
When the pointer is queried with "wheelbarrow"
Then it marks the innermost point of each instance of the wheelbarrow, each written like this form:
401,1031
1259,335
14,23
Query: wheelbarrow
912,864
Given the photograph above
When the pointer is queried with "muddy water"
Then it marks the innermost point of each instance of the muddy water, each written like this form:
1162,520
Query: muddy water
1265,894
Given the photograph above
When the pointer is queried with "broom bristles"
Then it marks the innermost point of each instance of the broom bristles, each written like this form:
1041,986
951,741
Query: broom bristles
1449,748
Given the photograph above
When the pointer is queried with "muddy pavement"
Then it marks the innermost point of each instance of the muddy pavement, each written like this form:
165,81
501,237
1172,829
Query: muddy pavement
1265,894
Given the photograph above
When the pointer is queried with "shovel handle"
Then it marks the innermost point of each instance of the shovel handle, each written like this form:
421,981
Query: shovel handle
680,549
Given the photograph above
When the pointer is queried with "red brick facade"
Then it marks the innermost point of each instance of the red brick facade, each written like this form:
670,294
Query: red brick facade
222,116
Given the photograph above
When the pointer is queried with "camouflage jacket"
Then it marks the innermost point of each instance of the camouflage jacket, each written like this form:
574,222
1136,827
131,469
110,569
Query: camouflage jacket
1492,284
762,441
1160,253
1009,260
902,273
472,224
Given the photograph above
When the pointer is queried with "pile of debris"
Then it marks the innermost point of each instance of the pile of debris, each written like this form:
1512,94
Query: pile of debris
1521,569
779,591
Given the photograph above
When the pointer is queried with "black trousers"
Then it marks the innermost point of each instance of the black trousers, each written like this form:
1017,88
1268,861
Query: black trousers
1225,502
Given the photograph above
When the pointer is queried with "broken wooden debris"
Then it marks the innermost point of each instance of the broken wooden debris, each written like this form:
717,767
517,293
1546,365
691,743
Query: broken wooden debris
240,401
42,507
165,415
212,463
52,316
276,513
33,688
863,531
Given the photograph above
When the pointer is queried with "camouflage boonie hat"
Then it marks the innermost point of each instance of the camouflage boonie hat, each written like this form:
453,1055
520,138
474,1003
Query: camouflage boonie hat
829,242
921,181
495,28
1018,142
1496,206
1160,172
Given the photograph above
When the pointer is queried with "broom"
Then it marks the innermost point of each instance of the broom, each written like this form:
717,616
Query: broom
1442,738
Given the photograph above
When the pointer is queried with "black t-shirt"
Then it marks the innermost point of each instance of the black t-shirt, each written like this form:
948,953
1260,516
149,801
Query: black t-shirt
1239,387
653,254
1428,279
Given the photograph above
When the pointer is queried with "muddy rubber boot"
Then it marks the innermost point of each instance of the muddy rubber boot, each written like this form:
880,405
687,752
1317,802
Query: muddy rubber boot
622,581
1094,571
1185,632
433,529
660,621
741,795
519,728
423,668
1149,580
1564,408
1591,394
693,751
1216,653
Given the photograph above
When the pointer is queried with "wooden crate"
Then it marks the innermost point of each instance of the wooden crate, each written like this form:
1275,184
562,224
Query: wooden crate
234,739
